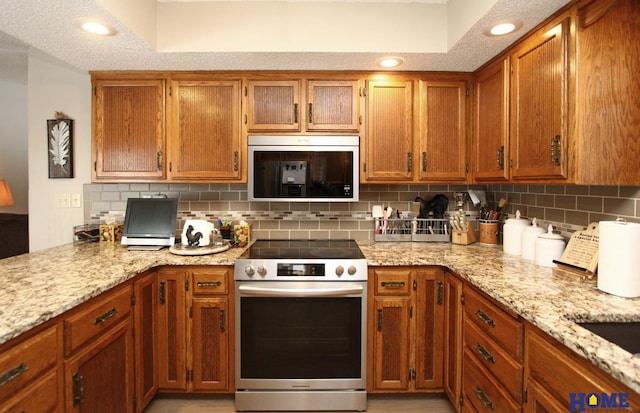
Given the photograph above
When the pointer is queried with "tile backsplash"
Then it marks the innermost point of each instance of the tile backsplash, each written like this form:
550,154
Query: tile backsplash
567,207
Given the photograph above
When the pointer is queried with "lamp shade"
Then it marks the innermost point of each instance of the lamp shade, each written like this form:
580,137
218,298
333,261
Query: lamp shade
6,199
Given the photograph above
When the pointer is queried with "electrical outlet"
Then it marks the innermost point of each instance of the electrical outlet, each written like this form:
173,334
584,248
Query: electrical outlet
63,201
76,200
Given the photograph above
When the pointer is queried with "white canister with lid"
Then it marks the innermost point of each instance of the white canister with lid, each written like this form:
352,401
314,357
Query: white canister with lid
529,238
549,247
512,234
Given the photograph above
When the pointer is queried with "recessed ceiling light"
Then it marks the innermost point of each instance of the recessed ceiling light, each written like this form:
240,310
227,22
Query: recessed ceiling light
390,62
503,28
95,27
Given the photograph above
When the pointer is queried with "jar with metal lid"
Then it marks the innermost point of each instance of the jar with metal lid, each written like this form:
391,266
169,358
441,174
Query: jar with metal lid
549,247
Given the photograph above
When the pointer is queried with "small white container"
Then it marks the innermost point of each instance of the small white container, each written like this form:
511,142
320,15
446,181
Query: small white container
549,247
529,238
512,234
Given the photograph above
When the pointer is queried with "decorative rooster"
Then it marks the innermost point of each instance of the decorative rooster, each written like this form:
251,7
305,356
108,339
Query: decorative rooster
193,239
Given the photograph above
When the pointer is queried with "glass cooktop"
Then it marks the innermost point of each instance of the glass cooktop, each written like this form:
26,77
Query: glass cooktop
300,249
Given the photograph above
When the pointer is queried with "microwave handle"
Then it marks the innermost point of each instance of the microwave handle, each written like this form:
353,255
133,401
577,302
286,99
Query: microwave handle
284,291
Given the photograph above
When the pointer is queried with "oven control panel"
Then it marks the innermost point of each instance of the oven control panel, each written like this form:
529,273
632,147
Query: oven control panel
296,270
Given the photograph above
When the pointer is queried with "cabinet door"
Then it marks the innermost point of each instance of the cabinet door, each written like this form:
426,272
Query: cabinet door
128,129
388,147
443,134
273,105
453,339
145,309
540,401
608,90
391,343
429,328
540,105
100,377
172,366
332,105
491,140
204,130
210,344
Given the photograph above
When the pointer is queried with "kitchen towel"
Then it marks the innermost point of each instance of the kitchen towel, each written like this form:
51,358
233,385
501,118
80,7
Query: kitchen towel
618,258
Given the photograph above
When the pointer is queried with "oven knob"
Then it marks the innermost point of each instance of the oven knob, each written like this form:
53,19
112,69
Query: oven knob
339,270
262,271
351,270
249,270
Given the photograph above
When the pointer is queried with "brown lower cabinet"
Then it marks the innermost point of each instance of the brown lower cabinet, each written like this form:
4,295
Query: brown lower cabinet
195,327
405,329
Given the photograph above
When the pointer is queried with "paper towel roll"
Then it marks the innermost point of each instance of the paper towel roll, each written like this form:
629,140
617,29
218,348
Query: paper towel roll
619,258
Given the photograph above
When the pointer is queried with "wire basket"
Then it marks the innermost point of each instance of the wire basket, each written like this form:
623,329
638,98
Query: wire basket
412,229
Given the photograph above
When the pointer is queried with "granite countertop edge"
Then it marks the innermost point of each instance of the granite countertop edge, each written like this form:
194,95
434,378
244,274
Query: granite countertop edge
53,281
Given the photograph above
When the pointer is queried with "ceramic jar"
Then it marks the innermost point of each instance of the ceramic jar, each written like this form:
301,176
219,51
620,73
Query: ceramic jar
512,234
529,237
549,247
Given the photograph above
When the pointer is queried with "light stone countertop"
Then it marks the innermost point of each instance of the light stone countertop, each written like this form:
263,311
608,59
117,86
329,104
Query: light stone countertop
39,286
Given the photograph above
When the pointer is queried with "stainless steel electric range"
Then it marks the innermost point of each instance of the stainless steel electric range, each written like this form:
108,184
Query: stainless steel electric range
301,326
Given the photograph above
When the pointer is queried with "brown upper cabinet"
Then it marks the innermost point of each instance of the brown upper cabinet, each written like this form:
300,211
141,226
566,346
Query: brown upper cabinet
128,129
387,154
540,104
491,126
205,141
608,92
443,131
280,106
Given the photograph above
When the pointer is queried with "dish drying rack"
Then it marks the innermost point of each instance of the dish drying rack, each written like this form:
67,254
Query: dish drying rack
413,229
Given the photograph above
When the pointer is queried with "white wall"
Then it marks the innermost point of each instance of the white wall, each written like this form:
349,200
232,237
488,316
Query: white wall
55,86
13,133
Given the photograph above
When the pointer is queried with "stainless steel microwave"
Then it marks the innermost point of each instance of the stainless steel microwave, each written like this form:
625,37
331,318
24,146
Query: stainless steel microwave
304,168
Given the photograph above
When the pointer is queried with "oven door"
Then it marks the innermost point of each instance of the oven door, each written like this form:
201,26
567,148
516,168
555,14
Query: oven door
300,335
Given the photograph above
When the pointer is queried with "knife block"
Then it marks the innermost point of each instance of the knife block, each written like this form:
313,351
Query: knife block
464,237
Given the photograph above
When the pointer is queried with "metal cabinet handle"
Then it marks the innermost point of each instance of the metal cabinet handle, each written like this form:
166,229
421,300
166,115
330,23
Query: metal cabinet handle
78,388
13,374
409,161
485,318
159,159
310,112
484,353
235,161
209,284
295,113
424,162
104,317
222,321
500,158
483,398
392,284
163,296
555,150
379,319
440,292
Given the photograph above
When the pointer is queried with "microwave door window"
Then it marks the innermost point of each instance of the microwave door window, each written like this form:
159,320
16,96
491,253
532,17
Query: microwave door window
266,178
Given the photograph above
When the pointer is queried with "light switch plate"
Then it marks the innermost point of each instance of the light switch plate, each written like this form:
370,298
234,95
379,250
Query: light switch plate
76,200
63,201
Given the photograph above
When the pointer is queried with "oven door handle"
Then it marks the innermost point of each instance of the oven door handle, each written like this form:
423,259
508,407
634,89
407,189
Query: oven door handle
271,291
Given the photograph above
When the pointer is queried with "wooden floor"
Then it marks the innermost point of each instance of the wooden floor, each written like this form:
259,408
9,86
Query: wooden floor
375,404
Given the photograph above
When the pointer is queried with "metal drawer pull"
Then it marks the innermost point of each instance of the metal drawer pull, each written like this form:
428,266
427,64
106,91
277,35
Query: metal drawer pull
78,388
393,284
104,317
209,283
484,399
484,353
482,316
13,374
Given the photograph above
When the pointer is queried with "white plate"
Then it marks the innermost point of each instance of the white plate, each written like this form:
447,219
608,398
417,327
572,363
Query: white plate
180,249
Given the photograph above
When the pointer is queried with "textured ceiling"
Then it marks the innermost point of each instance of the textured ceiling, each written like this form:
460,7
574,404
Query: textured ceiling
48,26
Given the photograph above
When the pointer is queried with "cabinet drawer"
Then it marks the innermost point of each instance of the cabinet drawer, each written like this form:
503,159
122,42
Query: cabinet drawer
27,361
42,397
210,281
494,359
482,391
495,322
393,282
96,318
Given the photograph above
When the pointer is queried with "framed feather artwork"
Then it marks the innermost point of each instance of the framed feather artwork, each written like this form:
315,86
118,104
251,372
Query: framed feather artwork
60,135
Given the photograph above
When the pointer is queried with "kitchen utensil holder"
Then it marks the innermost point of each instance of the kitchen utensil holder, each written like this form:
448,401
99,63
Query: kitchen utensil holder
464,237
413,229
